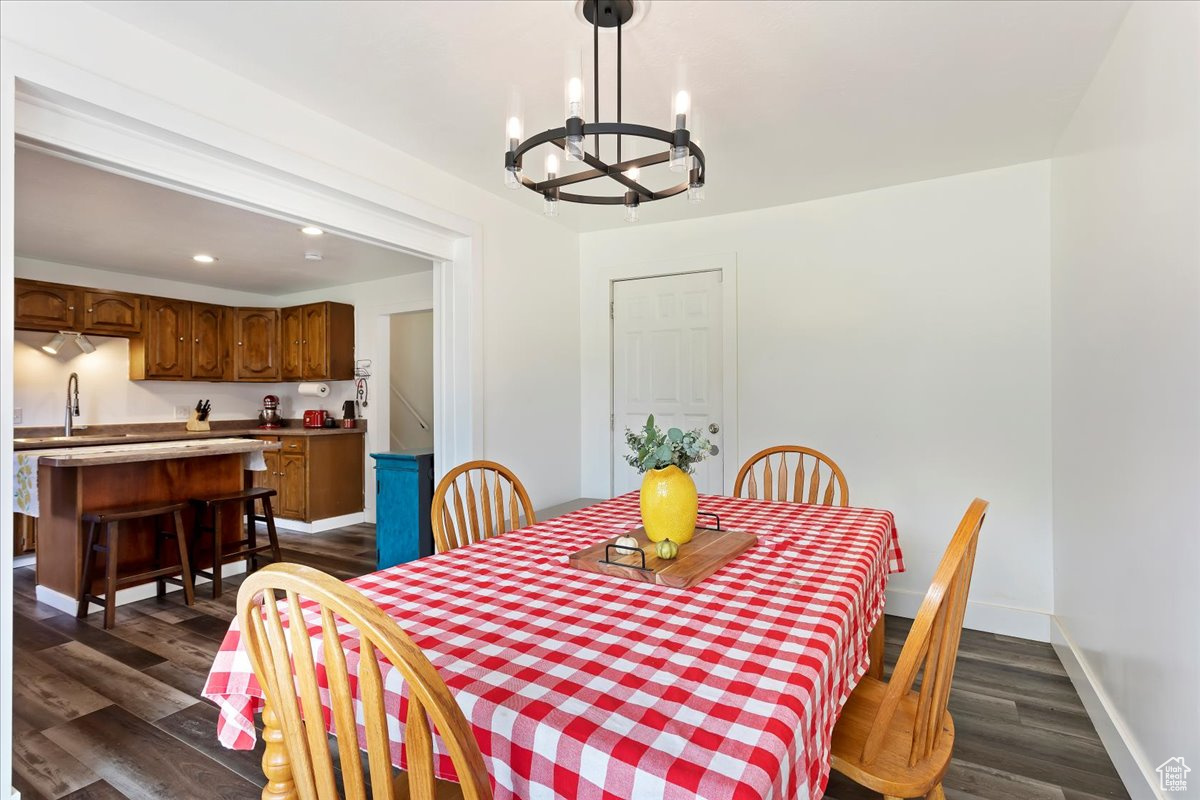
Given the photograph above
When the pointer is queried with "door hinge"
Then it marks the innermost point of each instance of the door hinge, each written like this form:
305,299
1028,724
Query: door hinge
612,422
612,310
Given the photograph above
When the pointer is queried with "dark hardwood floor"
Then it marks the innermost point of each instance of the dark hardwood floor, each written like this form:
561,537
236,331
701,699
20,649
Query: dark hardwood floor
105,715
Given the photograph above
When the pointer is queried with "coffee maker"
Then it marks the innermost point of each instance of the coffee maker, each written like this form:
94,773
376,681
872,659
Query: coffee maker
269,416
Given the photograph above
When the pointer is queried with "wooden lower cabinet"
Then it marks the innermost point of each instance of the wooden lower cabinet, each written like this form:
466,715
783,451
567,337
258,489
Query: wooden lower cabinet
317,477
293,486
24,534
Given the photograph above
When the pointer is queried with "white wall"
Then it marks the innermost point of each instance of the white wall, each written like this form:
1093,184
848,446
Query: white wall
904,331
530,279
411,362
1126,384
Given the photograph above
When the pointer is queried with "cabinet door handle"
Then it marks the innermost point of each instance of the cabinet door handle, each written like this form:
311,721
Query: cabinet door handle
197,341
90,310
239,344
181,339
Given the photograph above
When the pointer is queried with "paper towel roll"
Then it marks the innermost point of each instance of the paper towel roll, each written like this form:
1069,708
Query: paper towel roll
313,389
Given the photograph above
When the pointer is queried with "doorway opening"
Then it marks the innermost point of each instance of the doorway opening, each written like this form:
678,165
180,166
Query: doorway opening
410,381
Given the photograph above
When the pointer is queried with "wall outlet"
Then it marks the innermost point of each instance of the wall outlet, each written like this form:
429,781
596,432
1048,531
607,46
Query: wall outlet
18,416
182,412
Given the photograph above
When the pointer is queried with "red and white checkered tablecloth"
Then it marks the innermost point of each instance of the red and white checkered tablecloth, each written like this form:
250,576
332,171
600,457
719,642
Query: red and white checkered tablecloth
584,686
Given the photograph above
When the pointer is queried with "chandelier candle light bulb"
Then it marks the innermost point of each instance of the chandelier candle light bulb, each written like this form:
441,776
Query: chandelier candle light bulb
574,148
514,130
550,199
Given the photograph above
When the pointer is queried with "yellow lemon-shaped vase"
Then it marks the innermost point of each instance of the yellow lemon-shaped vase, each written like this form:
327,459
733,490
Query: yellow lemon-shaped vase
669,505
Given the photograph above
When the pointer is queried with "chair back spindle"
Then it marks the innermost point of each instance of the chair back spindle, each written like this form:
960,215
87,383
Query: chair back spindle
284,664
931,649
462,516
812,470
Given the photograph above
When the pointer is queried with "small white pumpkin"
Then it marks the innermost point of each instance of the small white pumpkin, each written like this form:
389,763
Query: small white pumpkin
628,541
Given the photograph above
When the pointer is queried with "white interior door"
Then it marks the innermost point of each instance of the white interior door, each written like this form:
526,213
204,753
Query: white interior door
667,358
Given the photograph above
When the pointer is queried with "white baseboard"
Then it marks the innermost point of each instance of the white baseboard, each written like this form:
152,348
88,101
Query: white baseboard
69,605
319,525
1136,771
1024,623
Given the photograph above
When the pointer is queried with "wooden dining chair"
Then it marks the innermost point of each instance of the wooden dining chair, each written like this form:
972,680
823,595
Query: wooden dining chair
479,506
804,487
276,654
890,738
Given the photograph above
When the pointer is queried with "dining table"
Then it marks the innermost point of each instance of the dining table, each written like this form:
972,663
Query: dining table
586,686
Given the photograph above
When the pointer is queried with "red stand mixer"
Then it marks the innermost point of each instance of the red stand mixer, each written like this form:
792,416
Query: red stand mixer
269,416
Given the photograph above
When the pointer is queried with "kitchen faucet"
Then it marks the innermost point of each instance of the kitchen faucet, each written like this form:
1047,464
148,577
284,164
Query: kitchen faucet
72,407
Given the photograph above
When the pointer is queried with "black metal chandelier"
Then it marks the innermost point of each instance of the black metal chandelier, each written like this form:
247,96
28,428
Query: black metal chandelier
682,154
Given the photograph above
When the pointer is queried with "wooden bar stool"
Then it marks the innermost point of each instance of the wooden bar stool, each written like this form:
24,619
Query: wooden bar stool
210,508
106,524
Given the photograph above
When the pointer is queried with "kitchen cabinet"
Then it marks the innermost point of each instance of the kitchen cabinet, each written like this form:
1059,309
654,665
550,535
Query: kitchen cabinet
172,339
256,344
163,352
211,335
24,534
318,342
42,306
293,486
317,477
111,313
291,323
268,478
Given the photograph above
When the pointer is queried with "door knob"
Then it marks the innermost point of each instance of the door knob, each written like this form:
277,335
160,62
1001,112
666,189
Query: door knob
714,427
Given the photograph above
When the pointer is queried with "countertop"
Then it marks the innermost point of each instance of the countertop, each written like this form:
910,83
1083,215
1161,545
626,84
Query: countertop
36,439
126,453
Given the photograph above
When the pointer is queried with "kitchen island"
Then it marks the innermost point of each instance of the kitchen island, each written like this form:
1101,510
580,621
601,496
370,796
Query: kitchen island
71,482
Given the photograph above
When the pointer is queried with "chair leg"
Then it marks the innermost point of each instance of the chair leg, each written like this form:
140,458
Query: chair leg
111,535
251,537
272,537
217,554
159,535
936,793
85,573
185,566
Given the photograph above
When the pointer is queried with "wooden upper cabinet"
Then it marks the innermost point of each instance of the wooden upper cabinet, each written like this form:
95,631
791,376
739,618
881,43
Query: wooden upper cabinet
256,344
45,306
326,341
291,332
163,351
178,340
212,330
112,313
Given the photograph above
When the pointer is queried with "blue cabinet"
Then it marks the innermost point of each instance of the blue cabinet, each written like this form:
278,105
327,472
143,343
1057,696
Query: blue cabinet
403,495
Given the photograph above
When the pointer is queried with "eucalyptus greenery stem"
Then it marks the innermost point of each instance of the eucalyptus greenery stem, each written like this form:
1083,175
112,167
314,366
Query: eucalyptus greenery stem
651,448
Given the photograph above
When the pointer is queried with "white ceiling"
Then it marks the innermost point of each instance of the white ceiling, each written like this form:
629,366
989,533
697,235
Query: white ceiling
799,100
75,214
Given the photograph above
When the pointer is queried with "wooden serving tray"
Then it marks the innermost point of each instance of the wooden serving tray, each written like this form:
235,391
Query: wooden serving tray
707,552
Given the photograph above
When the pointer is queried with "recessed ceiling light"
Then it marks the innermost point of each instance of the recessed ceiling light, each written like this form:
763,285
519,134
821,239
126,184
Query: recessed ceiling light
311,230
203,258
312,255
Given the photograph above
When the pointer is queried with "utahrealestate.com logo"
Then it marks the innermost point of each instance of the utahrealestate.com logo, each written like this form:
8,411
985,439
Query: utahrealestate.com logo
1172,775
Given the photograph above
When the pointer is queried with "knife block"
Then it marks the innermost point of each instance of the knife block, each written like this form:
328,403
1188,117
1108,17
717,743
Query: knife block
194,422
